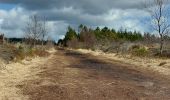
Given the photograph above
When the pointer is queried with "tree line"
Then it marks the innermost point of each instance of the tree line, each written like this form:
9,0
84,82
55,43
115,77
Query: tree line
36,29
88,38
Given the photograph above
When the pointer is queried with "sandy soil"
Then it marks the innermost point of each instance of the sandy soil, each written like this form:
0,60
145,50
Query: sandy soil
71,75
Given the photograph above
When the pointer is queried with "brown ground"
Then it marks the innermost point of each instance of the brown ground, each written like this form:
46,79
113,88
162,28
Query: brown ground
69,75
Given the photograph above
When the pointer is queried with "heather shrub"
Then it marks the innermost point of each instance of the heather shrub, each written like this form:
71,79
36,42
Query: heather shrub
19,54
139,51
25,51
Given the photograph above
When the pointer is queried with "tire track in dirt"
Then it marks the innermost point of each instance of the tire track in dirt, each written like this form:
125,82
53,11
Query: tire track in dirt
69,75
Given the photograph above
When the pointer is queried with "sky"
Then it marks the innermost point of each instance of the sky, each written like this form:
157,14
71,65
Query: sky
129,14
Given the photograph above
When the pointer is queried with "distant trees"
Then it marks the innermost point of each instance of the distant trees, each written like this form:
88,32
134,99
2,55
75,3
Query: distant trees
89,38
129,35
35,29
71,35
150,38
159,12
105,34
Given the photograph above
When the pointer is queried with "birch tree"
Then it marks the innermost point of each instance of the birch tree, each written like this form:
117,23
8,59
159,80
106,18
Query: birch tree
35,29
159,13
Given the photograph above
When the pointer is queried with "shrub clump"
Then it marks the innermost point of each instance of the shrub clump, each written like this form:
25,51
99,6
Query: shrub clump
138,50
40,53
21,53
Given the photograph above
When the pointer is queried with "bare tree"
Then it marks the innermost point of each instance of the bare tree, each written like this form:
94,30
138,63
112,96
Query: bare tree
44,30
35,29
158,10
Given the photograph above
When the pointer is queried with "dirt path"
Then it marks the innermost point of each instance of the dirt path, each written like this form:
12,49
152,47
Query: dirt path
70,75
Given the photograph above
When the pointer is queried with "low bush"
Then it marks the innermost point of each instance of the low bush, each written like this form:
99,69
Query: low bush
165,54
139,51
22,52
19,54
40,53
135,47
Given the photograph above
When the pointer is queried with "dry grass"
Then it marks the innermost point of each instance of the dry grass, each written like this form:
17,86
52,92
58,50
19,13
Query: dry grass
10,53
22,53
16,73
16,65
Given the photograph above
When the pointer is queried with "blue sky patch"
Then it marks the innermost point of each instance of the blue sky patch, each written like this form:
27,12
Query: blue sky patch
7,6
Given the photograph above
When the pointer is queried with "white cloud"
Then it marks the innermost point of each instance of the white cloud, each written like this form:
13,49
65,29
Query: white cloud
13,21
57,29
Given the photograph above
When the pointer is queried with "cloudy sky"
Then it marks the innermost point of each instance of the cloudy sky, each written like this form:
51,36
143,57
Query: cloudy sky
61,13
